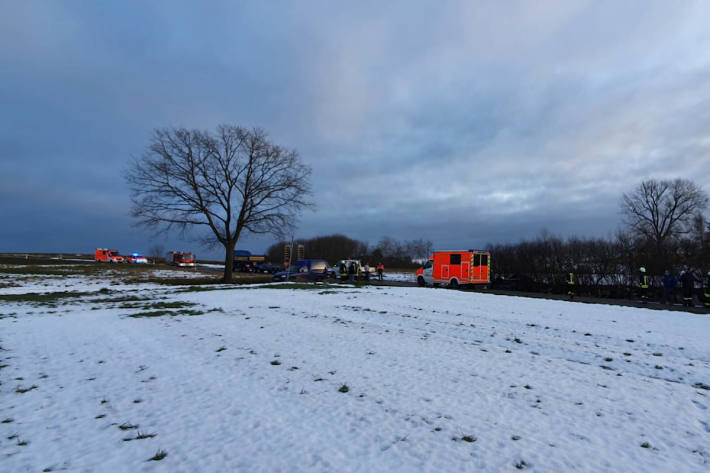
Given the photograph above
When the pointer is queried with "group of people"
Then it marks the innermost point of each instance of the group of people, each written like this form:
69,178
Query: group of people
352,270
687,280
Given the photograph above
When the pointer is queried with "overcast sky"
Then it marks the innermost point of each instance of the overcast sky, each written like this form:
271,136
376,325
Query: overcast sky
460,122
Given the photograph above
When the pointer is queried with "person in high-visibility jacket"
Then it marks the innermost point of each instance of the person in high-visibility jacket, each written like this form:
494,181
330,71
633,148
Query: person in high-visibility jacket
643,284
343,271
380,270
706,290
570,284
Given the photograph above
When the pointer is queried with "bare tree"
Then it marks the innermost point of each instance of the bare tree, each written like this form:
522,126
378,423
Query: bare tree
157,252
231,181
418,249
663,210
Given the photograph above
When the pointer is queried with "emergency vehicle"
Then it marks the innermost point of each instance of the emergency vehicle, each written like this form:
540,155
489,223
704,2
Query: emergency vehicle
136,258
109,256
456,268
334,271
246,262
179,258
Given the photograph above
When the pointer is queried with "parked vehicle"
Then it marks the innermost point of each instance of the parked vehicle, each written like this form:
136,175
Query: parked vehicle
136,258
456,268
180,258
109,256
244,261
334,271
307,269
243,267
267,268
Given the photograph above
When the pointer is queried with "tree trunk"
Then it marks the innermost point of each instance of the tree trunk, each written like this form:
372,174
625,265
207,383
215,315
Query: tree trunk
228,261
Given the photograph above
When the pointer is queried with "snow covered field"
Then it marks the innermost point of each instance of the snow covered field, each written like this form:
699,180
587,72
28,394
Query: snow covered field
334,378
403,277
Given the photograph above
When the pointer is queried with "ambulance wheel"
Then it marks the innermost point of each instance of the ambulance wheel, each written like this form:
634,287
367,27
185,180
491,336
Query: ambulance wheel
454,284
420,281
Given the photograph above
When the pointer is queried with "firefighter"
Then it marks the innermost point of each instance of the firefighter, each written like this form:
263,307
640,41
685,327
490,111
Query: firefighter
643,284
352,271
570,284
706,291
687,280
343,271
380,270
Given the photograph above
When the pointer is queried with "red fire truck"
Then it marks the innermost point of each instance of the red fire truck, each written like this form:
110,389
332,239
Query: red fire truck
456,268
109,256
179,258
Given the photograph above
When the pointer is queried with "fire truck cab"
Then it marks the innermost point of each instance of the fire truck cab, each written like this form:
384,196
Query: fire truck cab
456,268
179,258
109,256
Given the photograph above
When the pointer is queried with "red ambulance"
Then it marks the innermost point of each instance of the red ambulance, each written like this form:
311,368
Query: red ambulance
456,268
108,256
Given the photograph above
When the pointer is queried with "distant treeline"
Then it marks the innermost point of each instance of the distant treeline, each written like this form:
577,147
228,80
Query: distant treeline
388,251
664,229
598,263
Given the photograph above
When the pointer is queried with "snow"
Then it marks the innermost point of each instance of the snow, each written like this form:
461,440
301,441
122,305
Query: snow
211,266
400,277
252,384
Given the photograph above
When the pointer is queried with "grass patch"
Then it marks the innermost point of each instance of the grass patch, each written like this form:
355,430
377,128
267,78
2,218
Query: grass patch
344,388
128,426
159,455
154,313
160,313
170,305
183,281
31,270
299,285
276,362
116,300
469,438
139,436
42,298
157,305
20,390
203,288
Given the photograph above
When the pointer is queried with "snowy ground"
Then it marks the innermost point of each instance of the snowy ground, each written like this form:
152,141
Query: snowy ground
403,277
250,379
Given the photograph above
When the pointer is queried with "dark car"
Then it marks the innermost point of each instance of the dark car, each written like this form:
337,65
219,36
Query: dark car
308,269
243,266
267,268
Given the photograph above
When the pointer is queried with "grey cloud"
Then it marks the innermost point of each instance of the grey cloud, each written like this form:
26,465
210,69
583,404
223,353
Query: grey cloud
460,122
